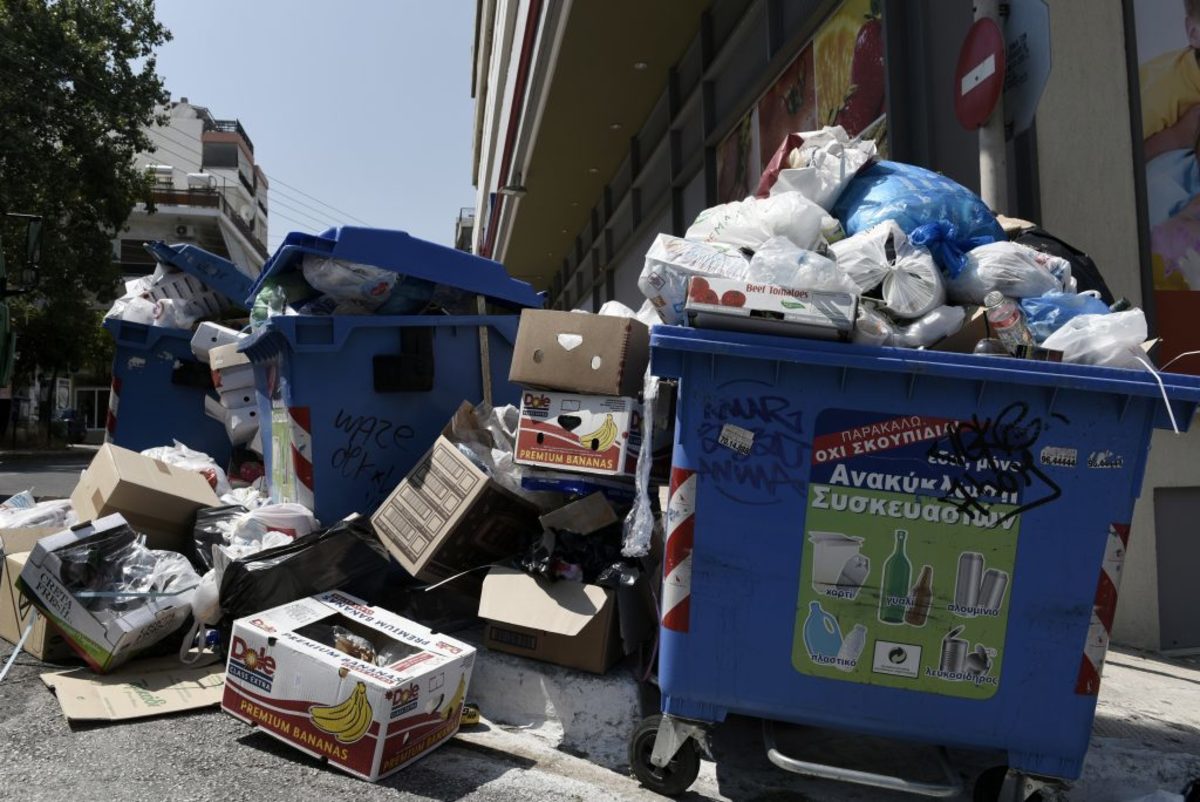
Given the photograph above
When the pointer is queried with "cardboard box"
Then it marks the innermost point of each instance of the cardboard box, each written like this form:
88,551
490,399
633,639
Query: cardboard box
230,369
570,624
157,499
720,303
103,643
448,516
369,721
584,433
974,329
597,354
44,642
141,689
588,514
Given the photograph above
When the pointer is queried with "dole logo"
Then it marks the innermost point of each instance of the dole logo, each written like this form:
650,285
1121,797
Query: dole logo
536,401
261,624
255,660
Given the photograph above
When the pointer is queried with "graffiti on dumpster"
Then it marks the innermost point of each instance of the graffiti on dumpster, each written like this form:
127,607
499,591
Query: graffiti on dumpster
772,462
363,456
909,547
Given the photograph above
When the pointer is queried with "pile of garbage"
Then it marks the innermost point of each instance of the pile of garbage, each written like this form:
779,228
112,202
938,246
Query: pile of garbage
837,244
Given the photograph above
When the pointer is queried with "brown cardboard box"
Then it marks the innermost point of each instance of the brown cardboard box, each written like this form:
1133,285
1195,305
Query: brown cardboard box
44,642
974,329
568,623
447,516
157,499
588,514
595,354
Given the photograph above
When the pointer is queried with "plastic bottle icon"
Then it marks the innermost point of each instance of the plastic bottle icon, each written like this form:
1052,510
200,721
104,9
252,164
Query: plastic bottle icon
922,595
822,635
852,647
897,574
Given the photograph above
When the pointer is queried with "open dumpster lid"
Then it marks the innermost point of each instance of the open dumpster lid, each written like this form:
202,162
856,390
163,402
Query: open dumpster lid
217,273
402,253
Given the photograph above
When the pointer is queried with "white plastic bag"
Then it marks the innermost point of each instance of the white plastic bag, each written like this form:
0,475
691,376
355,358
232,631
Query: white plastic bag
290,519
931,328
883,255
671,261
1113,340
872,328
822,166
750,223
57,512
172,314
364,285
1014,270
189,459
780,262
616,309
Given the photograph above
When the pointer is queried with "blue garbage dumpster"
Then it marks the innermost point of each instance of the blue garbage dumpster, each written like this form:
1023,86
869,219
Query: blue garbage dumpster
158,385
900,543
351,402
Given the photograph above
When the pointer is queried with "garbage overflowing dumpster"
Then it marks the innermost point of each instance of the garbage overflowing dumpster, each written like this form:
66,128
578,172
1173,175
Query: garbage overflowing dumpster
933,551
158,385
385,339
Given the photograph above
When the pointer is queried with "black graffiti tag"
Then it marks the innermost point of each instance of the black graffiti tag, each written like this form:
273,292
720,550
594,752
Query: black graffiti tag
996,455
360,456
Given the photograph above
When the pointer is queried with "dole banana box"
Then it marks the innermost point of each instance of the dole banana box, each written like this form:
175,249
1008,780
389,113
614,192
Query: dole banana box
573,432
362,688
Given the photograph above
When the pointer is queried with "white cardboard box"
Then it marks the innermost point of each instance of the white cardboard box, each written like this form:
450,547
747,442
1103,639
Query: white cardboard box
575,432
718,303
365,719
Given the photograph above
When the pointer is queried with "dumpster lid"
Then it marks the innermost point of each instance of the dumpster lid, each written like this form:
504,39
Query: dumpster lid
972,367
217,273
402,253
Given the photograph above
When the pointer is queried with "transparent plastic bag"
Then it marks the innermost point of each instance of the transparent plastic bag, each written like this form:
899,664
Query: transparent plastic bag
931,328
1113,340
180,456
671,261
1013,270
349,281
780,262
750,223
53,513
1048,313
639,523
883,255
872,328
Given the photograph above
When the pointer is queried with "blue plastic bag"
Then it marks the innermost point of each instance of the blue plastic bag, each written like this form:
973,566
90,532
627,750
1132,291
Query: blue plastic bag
1046,314
949,249
915,197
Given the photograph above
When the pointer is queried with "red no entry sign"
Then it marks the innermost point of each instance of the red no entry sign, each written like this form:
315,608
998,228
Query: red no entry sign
979,76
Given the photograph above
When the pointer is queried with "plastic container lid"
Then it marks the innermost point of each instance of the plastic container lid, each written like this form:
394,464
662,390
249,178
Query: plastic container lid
218,274
402,253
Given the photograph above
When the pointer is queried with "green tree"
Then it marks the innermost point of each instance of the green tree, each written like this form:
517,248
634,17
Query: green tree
78,87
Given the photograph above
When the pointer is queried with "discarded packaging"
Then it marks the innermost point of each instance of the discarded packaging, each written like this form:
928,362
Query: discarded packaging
739,305
44,642
142,689
365,719
671,261
579,432
583,353
231,370
181,456
211,335
909,281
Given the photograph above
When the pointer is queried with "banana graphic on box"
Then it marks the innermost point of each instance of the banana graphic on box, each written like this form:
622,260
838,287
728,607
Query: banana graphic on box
348,720
603,437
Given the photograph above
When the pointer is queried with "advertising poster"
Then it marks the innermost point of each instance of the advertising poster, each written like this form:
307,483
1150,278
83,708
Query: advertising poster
789,105
737,162
909,546
1168,57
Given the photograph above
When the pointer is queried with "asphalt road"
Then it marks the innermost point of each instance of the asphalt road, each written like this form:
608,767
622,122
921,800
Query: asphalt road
50,474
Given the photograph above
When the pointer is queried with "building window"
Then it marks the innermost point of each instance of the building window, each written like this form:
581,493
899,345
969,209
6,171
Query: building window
220,154
92,404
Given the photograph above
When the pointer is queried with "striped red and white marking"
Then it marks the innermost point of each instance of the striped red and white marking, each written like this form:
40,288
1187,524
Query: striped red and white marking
300,425
114,401
1103,611
677,560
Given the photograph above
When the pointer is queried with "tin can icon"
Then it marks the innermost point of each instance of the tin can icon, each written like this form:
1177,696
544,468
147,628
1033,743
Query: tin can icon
954,652
966,585
991,594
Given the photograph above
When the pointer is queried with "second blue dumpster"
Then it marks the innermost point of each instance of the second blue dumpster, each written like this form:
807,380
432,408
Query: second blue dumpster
900,543
351,402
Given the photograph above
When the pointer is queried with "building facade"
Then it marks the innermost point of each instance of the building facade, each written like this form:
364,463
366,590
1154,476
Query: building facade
598,126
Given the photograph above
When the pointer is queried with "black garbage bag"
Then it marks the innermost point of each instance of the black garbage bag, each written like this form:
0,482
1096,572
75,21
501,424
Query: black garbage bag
206,533
346,556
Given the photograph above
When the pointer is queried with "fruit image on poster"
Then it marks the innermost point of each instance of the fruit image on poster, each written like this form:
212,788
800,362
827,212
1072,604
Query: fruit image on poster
848,67
909,545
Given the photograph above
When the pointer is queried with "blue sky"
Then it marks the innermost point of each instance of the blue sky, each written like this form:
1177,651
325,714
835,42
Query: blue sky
365,106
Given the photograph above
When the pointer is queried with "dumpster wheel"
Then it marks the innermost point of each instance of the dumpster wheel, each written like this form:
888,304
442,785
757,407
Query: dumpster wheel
990,787
669,780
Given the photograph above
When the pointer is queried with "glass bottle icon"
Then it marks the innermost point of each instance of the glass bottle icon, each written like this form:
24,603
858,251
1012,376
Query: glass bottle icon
922,598
897,574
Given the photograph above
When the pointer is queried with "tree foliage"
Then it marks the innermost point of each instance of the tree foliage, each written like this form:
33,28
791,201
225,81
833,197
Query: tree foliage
78,87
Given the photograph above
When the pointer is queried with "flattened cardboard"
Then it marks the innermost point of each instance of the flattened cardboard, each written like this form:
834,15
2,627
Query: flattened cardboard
447,516
367,720
589,514
157,499
570,624
719,303
581,353
44,642
578,432
139,690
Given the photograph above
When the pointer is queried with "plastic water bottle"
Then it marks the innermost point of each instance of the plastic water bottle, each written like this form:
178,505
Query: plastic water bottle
1007,321
852,647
